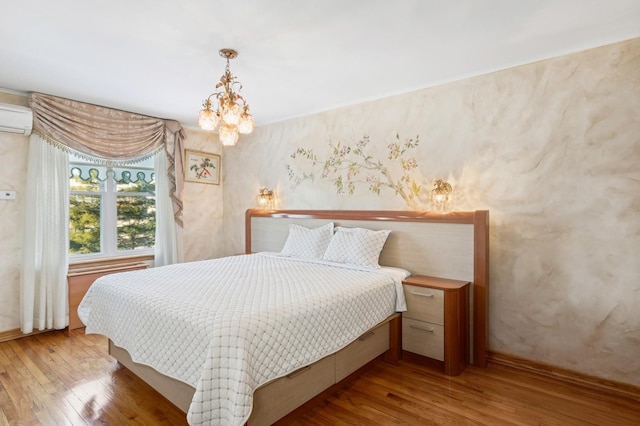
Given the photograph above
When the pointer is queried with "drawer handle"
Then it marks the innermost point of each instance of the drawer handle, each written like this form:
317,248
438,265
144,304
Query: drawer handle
417,293
417,327
298,372
365,336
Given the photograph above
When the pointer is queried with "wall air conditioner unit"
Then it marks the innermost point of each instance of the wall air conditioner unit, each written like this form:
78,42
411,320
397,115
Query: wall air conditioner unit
15,119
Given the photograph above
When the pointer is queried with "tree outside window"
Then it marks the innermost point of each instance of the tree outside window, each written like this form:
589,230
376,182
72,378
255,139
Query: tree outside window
111,209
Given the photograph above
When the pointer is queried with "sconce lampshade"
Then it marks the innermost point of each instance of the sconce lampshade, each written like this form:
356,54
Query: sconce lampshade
265,198
439,195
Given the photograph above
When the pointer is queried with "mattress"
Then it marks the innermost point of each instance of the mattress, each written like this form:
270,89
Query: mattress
226,326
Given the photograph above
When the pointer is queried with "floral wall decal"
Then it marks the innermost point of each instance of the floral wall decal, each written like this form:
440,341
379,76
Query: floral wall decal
349,166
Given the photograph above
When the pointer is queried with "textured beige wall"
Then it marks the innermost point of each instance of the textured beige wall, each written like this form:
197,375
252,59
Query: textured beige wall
202,236
552,149
13,166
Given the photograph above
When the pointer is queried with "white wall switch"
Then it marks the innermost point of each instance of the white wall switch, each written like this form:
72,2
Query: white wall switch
7,195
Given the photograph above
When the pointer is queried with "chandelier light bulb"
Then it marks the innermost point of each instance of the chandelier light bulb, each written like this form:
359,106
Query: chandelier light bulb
246,124
228,134
207,119
231,113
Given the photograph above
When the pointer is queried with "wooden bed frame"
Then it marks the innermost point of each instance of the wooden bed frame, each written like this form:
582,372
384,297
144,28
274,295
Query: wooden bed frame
451,245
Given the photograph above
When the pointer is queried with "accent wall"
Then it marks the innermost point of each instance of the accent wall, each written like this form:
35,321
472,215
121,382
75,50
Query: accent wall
551,148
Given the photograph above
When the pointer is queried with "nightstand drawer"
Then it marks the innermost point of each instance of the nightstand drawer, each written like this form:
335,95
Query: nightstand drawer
424,304
423,338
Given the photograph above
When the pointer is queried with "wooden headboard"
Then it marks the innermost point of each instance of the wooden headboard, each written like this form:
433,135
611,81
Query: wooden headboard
451,245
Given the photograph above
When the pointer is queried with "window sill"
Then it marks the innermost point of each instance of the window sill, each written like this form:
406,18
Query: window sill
111,261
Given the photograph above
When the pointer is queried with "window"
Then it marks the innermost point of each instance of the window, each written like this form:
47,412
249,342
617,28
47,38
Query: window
111,209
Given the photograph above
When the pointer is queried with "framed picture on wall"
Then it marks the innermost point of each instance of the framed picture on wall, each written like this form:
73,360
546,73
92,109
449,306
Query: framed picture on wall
201,167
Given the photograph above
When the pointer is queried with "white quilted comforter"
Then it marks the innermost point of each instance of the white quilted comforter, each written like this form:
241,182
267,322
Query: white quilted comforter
227,326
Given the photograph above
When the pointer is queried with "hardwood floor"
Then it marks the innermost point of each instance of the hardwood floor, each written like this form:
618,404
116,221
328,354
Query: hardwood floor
59,378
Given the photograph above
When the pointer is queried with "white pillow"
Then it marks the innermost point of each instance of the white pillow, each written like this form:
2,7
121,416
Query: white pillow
356,246
306,243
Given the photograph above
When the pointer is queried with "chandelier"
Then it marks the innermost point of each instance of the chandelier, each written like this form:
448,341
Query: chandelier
232,115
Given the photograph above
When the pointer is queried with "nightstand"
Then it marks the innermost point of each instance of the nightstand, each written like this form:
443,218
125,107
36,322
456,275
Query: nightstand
435,325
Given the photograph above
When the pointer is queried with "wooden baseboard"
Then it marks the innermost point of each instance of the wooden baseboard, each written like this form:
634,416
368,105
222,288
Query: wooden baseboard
598,384
16,333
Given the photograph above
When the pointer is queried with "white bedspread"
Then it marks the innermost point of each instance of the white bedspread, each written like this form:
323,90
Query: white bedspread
227,326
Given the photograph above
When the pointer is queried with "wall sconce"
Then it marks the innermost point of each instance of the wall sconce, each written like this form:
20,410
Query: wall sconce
265,198
439,195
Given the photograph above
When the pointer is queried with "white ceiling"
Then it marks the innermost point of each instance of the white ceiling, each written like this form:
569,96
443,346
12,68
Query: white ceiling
296,57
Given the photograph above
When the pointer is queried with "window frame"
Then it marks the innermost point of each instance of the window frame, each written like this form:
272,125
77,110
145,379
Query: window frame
108,195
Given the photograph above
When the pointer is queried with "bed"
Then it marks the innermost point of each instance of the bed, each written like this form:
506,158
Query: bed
273,343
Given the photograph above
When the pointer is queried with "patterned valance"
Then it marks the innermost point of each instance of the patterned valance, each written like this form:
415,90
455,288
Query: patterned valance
94,130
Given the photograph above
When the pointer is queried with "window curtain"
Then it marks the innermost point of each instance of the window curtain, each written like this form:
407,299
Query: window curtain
45,253
166,247
102,134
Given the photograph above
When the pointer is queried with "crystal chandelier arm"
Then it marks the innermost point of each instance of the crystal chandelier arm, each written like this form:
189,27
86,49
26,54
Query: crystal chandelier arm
207,102
235,83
